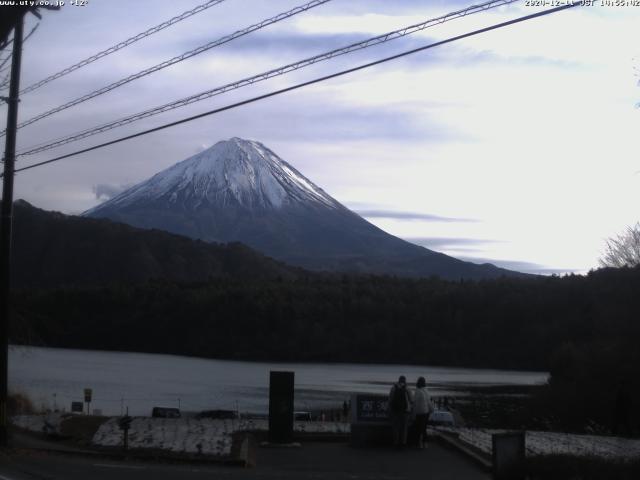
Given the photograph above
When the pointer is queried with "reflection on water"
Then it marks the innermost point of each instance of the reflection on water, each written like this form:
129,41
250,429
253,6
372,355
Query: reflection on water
53,378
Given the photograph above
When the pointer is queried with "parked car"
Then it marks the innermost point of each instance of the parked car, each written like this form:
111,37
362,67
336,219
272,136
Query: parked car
165,412
442,418
302,416
220,414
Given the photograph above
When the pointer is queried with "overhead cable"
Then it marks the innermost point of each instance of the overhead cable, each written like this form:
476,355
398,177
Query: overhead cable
123,44
304,84
267,75
174,60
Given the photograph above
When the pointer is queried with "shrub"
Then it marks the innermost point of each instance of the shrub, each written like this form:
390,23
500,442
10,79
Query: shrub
20,404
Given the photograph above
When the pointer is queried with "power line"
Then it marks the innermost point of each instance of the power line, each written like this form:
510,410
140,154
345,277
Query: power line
267,75
5,81
5,61
33,30
304,84
123,44
174,60
6,44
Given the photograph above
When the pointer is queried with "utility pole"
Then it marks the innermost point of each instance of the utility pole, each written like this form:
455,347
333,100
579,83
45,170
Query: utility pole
6,222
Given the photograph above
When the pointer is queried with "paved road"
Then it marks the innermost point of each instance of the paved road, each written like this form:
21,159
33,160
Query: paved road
36,442
318,461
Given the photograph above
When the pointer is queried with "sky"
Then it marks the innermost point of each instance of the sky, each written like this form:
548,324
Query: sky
517,147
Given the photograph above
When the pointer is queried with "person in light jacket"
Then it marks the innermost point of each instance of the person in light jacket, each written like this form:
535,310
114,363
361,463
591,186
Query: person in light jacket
422,407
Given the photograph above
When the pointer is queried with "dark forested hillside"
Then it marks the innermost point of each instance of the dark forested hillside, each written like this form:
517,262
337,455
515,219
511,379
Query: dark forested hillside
53,250
506,323
585,330
85,283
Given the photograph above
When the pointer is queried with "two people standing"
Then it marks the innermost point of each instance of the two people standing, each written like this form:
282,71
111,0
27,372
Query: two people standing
402,404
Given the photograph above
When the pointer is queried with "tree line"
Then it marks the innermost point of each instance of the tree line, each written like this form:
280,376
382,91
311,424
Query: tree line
502,323
584,330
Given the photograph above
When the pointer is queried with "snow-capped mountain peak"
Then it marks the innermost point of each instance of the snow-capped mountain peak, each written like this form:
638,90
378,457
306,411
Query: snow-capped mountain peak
240,191
232,172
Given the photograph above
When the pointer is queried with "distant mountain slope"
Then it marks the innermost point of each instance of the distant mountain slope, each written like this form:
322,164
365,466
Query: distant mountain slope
52,249
239,190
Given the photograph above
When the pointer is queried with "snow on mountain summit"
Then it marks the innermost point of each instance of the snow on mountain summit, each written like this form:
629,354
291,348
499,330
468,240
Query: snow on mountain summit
231,172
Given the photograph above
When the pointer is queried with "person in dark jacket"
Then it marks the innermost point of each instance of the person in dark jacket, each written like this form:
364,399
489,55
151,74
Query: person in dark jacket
400,404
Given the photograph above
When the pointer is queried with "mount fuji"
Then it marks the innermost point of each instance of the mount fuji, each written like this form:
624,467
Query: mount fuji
239,190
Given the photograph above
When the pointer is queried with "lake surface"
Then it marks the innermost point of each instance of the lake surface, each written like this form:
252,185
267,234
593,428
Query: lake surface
54,377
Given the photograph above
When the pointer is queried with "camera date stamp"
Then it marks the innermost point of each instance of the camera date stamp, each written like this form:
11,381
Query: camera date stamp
582,3
46,3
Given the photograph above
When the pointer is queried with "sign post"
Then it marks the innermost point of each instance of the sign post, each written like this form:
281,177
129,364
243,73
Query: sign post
87,399
125,425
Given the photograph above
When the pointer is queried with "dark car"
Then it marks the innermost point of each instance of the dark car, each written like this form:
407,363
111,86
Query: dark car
165,412
218,414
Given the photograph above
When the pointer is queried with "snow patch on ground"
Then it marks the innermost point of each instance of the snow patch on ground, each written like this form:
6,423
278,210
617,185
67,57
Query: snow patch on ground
214,437
48,423
191,435
554,443
183,435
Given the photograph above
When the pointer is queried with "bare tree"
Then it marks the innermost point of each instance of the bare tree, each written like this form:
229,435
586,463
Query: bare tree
624,249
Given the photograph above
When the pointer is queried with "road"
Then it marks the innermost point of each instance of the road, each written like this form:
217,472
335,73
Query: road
318,461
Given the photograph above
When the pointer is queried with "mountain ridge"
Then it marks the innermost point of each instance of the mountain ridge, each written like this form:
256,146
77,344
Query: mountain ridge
52,249
240,190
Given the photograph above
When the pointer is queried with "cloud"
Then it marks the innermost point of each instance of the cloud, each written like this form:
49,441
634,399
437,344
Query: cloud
410,216
308,44
362,7
305,44
455,245
105,191
321,117
520,266
449,243
277,42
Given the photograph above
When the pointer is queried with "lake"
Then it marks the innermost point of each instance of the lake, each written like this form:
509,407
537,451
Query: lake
54,377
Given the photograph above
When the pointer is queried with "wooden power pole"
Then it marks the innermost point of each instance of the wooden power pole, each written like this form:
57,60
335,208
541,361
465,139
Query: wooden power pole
6,222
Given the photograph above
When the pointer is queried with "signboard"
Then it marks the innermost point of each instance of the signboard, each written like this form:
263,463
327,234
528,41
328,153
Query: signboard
281,407
125,422
370,408
77,407
370,423
87,395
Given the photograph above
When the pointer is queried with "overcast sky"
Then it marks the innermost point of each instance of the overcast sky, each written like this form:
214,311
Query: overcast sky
517,147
